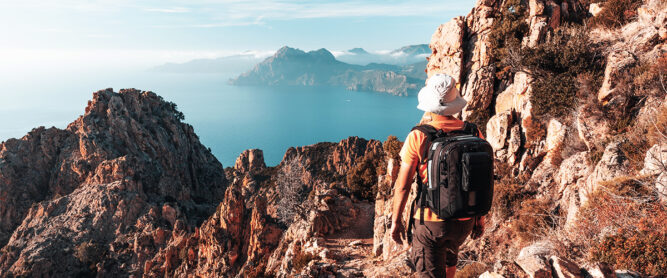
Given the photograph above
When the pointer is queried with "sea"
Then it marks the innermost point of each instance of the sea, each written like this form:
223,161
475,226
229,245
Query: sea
228,119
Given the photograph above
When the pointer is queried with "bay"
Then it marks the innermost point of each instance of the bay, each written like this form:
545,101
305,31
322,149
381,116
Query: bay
228,119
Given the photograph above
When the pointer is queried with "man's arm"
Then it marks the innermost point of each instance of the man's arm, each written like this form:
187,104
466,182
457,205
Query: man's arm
401,192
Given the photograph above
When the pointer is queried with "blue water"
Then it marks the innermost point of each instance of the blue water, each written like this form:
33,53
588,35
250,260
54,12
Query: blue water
228,119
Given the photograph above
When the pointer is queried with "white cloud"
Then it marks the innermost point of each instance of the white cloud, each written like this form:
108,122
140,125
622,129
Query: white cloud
168,10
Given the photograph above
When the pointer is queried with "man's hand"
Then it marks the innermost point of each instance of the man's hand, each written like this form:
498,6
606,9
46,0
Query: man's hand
397,230
478,229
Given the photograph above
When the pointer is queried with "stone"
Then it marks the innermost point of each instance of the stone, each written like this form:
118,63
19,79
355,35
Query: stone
617,63
662,32
516,95
497,130
555,135
514,144
538,28
250,161
478,90
564,268
446,44
532,259
628,274
600,270
613,164
656,160
536,7
488,274
594,9
644,40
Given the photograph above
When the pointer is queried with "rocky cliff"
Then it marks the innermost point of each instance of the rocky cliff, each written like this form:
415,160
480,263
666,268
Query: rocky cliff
84,199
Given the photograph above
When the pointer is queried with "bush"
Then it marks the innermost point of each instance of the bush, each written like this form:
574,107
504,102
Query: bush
644,251
535,217
509,192
89,253
392,147
472,270
301,259
292,193
508,28
616,13
555,65
362,179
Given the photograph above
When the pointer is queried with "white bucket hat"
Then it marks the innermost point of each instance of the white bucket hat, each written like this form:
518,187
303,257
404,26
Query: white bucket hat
440,96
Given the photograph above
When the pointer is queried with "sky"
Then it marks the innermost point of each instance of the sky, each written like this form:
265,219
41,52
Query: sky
35,33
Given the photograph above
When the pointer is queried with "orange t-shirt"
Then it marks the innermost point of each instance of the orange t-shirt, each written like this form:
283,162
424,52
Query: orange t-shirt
412,153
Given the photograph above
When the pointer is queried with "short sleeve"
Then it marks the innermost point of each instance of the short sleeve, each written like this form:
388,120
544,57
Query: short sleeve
410,153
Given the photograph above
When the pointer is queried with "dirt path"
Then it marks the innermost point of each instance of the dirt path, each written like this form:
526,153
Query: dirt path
351,247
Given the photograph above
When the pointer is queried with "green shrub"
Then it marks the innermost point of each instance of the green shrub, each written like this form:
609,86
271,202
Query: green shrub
616,13
392,147
555,65
362,179
508,28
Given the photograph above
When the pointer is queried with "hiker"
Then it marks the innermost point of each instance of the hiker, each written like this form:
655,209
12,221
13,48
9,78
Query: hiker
436,238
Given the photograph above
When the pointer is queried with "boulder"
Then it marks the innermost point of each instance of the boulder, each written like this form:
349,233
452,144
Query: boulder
532,259
617,63
250,161
497,130
613,164
555,136
564,268
516,96
600,270
628,274
656,160
594,9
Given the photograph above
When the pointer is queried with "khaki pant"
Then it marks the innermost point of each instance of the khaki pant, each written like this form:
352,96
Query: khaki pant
435,245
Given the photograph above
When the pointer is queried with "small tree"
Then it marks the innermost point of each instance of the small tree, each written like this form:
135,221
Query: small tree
292,193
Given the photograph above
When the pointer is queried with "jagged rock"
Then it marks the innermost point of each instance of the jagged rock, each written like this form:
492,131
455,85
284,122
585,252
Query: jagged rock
516,96
591,127
104,179
497,130
600,270
613,164
446,44
250,161
570,177
536,7
538,28
564,268
478,90
532,259
617,63
555,135
514,144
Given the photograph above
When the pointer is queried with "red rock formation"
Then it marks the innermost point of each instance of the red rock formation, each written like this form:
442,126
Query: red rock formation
125,170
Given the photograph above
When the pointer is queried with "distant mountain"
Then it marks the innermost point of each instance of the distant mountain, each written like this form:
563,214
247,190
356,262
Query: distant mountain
413,50
403,56
294,67
230,64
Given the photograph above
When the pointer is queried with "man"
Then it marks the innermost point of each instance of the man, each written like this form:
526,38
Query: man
436,242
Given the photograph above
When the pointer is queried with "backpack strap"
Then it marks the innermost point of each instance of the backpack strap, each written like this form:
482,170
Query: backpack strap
431,133
470,128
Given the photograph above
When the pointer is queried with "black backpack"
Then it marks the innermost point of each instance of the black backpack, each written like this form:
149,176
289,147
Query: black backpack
460,174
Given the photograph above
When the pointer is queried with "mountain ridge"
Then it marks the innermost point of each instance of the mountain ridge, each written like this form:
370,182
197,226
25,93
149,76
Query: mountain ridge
294,67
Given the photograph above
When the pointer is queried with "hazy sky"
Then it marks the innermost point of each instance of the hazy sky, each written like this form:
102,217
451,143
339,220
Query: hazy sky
119,31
